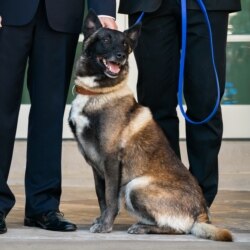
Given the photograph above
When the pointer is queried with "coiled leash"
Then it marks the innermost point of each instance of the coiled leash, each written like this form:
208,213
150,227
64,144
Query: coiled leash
182,60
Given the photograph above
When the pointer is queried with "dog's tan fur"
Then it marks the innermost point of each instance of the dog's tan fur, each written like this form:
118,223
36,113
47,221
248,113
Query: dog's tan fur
132,160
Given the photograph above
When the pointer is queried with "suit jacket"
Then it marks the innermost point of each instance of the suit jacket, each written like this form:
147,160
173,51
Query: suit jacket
133,6
63,15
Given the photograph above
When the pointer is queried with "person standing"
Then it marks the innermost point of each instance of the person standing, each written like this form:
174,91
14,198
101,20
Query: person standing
44,33
158,58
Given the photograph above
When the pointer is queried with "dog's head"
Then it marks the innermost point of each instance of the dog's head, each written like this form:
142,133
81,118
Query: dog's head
104,58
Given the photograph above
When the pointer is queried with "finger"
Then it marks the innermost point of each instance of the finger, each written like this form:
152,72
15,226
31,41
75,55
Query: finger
113,25
1,22
108,22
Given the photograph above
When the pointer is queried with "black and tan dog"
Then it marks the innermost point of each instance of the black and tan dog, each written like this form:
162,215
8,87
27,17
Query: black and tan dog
131,159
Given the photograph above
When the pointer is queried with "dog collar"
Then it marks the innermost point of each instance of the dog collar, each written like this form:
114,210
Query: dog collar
81,90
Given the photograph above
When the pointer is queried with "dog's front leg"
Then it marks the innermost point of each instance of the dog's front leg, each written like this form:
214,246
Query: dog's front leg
112,187
100,192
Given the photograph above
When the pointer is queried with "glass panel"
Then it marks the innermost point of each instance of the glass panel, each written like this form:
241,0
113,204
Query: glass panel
238,57
238,74
239,22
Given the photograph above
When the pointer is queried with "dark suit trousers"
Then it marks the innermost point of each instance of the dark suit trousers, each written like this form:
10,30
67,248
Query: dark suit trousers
50,57
157,56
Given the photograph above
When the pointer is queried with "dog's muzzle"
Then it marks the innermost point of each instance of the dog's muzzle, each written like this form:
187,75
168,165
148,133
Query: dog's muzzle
112,67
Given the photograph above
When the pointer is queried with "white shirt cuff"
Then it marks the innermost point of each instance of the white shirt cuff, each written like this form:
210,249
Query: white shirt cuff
106,16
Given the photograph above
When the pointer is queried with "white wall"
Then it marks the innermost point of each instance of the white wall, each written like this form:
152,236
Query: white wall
236,122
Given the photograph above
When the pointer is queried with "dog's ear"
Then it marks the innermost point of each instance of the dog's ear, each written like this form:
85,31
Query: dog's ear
133,34
91,24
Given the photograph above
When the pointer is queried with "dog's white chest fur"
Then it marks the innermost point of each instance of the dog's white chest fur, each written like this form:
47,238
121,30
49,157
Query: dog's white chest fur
76,115
81,122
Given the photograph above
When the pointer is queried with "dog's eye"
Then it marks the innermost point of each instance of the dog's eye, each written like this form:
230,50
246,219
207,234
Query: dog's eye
106,39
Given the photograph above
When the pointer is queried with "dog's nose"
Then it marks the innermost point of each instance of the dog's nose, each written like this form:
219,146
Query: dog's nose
120,55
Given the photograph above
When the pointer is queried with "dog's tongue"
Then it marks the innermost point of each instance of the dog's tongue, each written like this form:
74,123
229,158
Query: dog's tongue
113,67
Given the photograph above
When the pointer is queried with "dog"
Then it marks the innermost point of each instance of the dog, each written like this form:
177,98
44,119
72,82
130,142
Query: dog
131,159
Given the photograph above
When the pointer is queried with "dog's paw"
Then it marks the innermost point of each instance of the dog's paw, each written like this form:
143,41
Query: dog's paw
97,220
100,228
137,229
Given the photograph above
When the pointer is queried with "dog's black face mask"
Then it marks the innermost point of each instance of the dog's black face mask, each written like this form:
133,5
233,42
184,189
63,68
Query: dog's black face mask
105,51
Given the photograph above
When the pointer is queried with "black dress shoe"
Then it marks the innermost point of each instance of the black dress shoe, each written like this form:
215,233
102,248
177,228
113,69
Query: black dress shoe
3,228
51,221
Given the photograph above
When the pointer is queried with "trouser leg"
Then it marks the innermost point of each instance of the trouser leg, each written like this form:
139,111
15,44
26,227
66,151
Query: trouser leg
157,57
49,73
14,49
204,141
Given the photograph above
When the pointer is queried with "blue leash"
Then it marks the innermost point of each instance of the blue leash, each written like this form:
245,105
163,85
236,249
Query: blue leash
139,18
182,61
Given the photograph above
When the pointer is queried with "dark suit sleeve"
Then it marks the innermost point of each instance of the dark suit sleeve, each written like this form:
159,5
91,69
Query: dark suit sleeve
133,6
103,7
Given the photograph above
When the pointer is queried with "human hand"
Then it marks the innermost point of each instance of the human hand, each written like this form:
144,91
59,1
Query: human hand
1,22
108,22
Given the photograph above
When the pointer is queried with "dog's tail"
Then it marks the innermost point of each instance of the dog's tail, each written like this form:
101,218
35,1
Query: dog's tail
209,231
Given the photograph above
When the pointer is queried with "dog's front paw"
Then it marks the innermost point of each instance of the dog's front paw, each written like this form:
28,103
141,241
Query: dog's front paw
100,228
97,220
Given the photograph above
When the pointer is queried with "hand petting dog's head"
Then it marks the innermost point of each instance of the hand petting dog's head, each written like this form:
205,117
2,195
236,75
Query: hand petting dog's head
105,52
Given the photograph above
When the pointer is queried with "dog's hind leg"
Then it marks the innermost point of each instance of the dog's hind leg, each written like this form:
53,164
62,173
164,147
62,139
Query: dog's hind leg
157,210
140,228
134,202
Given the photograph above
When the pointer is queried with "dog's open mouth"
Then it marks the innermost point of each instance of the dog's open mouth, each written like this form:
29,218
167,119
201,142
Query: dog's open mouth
112,68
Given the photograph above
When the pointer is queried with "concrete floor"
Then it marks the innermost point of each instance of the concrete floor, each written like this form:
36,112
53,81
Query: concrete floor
231,208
